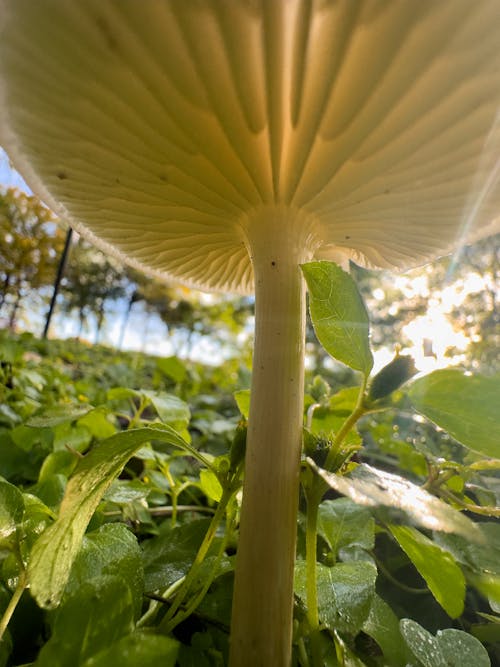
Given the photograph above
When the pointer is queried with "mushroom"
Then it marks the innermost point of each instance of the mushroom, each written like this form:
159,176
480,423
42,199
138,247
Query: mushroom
222,143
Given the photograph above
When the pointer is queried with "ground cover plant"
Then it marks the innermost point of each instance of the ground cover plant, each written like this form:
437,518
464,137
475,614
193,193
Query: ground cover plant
120,498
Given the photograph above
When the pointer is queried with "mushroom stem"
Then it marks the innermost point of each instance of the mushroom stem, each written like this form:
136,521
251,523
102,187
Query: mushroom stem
261,629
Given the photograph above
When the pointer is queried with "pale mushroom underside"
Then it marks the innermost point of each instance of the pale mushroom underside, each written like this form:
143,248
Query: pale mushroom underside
161,128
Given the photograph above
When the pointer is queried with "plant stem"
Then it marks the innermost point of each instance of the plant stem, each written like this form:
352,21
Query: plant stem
195,602
261,630
14,601
313,500
356,414
200,556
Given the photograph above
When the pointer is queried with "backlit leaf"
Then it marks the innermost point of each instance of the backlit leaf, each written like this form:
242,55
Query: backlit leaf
467,406
443,576
371,487
339,315
242,399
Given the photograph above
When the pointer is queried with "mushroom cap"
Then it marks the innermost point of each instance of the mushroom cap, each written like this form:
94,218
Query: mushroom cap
160,128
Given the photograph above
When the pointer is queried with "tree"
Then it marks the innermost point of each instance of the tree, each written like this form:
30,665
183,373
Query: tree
30,243
92,280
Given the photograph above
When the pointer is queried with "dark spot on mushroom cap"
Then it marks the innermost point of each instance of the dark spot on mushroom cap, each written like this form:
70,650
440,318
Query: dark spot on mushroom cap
163,178
347,238
61,175
273,263
107,32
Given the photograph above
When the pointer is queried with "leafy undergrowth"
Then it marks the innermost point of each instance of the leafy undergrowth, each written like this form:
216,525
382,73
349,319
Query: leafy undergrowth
120,495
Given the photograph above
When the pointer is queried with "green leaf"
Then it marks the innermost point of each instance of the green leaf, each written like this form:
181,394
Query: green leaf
345,593
443,576
59,414
5,648
328,419
168,557
124,491
210,485
97,422
449,648
61,462
172,367
464,405
376,488
342,523
461,649
36,517
122,394
171,409
113,550
339,315
139,648
382,625
97,614
242,399
71,436
478,557
422,644
53,554
11,510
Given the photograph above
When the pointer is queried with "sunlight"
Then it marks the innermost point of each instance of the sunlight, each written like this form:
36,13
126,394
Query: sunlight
437,338
482,190
436,342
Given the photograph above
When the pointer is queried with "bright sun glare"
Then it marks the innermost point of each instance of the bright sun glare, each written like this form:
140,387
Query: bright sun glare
435,340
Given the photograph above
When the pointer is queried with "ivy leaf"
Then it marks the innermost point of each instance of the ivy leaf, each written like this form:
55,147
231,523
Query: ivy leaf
139,648
443,576
54,552
345,593
464,405
342,523
11,510
169,556
382,625
98,613
449,648
376,488
339,315
110,550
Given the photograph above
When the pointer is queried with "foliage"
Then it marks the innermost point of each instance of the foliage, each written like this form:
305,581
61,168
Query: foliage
29,246
119,505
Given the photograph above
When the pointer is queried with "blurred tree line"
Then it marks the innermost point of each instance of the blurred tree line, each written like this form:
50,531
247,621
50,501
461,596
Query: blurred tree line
97,289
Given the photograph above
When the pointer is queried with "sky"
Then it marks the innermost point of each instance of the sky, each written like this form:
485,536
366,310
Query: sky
8,176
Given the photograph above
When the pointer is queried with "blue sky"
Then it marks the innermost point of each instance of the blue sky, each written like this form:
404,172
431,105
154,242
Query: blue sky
8,176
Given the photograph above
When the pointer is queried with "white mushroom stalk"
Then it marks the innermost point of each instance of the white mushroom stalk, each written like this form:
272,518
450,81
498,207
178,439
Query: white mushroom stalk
279,240
221,144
